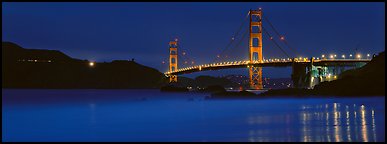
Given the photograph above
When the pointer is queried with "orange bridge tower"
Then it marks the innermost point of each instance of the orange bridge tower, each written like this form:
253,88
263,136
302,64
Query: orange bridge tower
173,60
255,47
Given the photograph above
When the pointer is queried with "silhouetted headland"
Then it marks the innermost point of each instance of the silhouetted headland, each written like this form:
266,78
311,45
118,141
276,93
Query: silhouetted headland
36,68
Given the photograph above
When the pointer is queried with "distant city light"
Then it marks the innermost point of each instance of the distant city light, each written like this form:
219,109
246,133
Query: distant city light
91,64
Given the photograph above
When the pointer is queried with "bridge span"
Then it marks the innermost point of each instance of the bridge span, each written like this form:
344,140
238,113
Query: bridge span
266,63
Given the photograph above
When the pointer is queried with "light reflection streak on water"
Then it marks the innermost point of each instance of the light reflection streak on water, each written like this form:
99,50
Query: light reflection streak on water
92,113
364,124
337,124
373,124
304,130
356,124
327,125
348,125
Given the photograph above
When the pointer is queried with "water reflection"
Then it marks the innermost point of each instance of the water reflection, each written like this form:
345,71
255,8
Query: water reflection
334,122
118,115
339,123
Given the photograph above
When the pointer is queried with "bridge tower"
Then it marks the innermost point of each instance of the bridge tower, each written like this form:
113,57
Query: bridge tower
255,47
173,60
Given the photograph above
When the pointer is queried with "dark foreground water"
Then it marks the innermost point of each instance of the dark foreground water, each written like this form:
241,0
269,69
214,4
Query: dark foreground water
149,115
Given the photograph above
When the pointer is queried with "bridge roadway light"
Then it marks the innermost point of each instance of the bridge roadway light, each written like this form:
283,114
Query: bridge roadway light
350,55
368,55
343,56
331,56
322,56
358,56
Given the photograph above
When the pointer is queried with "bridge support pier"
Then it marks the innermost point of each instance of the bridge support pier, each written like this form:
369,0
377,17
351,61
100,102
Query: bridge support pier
307,75
298,74
173,78
255,77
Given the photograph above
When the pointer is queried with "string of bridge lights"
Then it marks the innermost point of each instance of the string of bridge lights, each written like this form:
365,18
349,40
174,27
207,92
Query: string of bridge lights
273,60
334,56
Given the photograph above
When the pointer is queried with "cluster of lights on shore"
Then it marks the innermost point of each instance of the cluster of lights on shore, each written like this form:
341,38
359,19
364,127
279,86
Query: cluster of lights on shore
299,59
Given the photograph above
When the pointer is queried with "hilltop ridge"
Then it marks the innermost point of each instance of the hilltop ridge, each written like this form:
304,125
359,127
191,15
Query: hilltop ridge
38,68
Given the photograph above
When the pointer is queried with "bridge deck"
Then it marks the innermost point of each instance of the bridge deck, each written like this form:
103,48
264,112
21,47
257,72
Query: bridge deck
266,63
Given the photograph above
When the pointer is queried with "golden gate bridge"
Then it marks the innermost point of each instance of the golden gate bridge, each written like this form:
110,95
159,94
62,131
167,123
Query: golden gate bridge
306,72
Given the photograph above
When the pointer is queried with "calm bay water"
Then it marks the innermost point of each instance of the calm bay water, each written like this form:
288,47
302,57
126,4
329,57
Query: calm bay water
149,115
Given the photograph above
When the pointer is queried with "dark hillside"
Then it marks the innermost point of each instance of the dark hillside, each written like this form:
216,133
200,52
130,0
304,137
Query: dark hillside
30,68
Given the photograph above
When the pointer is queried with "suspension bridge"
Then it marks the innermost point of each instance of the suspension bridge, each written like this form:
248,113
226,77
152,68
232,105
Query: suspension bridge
306,72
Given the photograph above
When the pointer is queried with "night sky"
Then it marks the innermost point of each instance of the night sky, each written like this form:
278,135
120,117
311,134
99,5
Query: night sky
110,31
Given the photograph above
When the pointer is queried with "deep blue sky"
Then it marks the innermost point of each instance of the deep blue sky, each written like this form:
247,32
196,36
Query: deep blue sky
108,31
